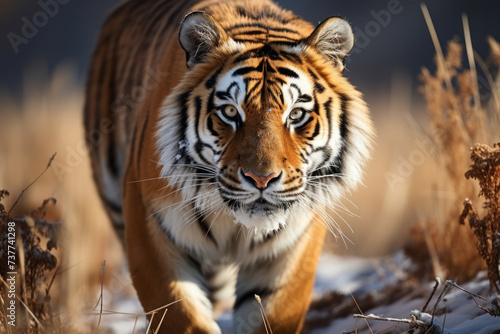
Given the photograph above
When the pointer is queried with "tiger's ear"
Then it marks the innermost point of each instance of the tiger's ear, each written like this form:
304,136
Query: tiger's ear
333,38
199,33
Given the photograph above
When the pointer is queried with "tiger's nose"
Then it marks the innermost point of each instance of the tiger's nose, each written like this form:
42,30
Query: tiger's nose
261,181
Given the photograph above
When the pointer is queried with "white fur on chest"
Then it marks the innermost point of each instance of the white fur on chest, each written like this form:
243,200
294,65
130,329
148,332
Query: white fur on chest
229,242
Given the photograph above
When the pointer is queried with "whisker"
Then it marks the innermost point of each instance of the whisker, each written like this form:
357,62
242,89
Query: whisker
334,206
200,175
328,219
184,203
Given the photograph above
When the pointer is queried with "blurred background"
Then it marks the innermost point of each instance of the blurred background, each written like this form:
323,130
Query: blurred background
42,74
399,42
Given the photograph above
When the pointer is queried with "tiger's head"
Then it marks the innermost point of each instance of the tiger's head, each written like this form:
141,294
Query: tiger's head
263,125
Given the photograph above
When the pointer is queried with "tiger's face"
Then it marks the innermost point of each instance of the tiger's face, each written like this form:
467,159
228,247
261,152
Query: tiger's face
266,133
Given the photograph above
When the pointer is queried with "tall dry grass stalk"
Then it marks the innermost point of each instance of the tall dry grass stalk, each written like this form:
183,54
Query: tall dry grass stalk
458,120
49,120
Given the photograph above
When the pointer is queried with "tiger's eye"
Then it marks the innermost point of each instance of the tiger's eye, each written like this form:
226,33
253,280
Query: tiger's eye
296,114
229,111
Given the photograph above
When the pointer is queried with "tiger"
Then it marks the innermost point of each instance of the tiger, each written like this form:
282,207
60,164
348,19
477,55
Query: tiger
222,134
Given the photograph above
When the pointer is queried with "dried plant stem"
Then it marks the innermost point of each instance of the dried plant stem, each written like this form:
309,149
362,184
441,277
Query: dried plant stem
264,316
436,285
435,41
29,185
472,64
359,309
22,268
27,309
135,324
4,308
491,83
374,317
438,270
161,321
103,266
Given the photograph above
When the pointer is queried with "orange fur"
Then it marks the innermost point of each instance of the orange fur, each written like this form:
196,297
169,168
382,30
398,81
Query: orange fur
137,88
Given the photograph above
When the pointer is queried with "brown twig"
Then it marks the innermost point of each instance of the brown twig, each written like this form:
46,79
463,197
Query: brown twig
436,285
359,309
103,266
264,316
39,176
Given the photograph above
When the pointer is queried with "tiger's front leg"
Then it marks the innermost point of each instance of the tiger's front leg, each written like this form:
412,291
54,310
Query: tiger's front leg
162,274
284,286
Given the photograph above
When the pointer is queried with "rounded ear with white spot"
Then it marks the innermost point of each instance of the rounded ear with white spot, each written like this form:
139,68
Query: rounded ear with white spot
200,33
332,38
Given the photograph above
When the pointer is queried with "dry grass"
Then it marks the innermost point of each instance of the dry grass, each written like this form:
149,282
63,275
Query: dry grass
27,248
460,114
438,244
49,120
486,169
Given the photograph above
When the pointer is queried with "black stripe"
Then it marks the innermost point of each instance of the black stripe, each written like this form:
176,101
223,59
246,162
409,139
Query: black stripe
265,51
304,159
182,100
319,87
316,131
263,26
110,204
266,13
134,63
251,90
281,81
338,166
231,203
210,126
304,98
199,143
201,220
156,217
112,158
268,237
252,32
328,111
288,39
245,56
271,94
227,94
327,152
316,106
312,74
287,72
302,127
195,264
291,57
210,102
286,191
261,292
227,185
141,146
283,42
245,70
210,83
344,100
